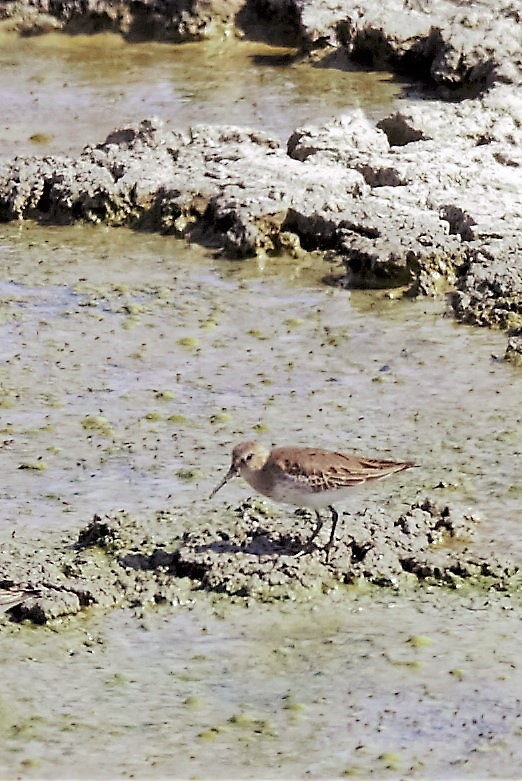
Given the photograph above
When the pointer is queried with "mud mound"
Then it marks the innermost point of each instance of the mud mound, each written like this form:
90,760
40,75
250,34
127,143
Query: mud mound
113,561
118,560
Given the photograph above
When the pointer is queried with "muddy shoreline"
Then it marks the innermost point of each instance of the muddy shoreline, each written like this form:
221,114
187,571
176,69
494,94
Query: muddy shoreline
426,202
151,633
154,443
427,199
242,193
446,43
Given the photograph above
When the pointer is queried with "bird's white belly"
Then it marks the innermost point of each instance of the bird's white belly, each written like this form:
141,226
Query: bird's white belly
287,492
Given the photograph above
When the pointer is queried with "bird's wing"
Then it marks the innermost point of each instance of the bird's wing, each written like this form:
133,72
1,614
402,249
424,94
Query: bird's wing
327,470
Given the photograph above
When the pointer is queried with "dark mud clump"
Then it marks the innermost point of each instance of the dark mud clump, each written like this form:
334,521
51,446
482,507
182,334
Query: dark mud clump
514,348
136,21
114,561
490,294
118,560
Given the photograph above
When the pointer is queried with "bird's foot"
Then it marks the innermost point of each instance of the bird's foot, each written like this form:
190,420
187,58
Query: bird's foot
327,548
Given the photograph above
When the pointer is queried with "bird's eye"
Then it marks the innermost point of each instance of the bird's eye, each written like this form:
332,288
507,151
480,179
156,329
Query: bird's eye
249,457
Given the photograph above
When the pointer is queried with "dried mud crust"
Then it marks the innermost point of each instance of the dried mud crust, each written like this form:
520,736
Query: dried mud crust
428,200
136,20
108,564
266,559
117,560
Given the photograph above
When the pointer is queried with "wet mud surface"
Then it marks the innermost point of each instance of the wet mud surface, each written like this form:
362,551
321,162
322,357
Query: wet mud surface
129,371
168,636
131,368
358,683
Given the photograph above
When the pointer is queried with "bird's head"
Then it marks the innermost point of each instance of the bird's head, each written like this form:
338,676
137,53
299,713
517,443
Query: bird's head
247,457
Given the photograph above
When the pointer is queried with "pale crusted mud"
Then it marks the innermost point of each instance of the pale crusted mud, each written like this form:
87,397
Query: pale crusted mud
420,206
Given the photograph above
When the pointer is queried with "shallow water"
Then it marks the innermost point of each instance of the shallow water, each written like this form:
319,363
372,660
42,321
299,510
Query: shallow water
130,363
59,93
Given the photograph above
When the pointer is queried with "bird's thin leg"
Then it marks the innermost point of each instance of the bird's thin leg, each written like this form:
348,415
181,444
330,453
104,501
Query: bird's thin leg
335,518
318,527
308,547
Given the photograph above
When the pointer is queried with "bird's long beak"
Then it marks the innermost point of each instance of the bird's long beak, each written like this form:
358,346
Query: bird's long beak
232,472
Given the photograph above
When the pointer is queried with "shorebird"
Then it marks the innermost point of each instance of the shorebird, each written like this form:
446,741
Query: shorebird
306,476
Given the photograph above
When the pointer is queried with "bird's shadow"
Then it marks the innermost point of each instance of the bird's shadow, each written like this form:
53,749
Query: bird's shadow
261,543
